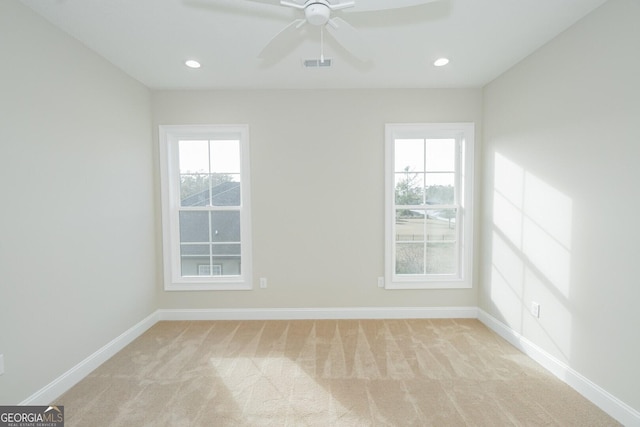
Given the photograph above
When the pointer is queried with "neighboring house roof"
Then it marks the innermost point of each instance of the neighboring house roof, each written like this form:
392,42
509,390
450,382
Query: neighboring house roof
225,194
195,230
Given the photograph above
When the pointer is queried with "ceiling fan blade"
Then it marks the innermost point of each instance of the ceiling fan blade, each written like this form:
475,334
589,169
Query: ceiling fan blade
292,4
349,38
235,7
374,5
282,41
341,5
271,2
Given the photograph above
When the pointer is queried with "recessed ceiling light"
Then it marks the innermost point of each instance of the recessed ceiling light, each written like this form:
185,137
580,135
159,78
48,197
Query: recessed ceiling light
440,62
192,63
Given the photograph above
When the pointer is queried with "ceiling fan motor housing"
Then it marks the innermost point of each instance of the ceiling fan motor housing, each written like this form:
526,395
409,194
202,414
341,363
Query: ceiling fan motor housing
317,13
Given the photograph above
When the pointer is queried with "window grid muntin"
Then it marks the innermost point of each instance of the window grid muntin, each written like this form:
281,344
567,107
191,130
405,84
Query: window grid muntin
212,240
169,137
426,207
464,134
210,208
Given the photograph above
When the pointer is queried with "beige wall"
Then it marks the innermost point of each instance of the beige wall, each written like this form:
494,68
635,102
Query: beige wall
77,262
561,198
317,176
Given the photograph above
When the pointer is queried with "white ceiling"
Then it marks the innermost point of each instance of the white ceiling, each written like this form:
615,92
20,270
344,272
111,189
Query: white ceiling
151,39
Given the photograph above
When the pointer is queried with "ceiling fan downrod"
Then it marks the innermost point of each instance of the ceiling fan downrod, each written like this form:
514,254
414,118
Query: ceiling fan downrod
322,44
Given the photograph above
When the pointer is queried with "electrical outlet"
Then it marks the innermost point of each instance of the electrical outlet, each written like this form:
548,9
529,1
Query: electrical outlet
1,364
535,309
263,282
381,282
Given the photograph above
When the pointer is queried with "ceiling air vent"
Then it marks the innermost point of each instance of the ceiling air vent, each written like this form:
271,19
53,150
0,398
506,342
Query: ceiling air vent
316,63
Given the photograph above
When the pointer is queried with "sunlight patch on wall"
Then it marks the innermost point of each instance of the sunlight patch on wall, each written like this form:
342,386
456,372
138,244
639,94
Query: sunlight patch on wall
551,259
547,231
507,217
508,199
549,208
507,273
535,219
531,253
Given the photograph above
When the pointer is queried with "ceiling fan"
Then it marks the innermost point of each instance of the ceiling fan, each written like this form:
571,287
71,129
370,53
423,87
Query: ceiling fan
319,13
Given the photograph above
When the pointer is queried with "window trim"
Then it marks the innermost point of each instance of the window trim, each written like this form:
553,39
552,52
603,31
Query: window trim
169,136
465,133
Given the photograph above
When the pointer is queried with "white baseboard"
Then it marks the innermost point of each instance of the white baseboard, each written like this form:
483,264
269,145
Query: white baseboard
320,313
596,394
53,390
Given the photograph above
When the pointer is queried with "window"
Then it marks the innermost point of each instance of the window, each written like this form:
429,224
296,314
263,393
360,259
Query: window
205,207
429,177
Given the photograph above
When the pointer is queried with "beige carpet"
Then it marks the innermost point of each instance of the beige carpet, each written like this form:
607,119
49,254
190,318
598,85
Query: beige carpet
324,373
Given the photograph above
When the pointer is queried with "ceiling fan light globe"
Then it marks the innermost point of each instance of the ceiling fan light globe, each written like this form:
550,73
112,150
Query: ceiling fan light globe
317,13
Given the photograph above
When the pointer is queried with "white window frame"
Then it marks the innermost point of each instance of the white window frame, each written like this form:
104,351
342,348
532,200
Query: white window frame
169,137
464,136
